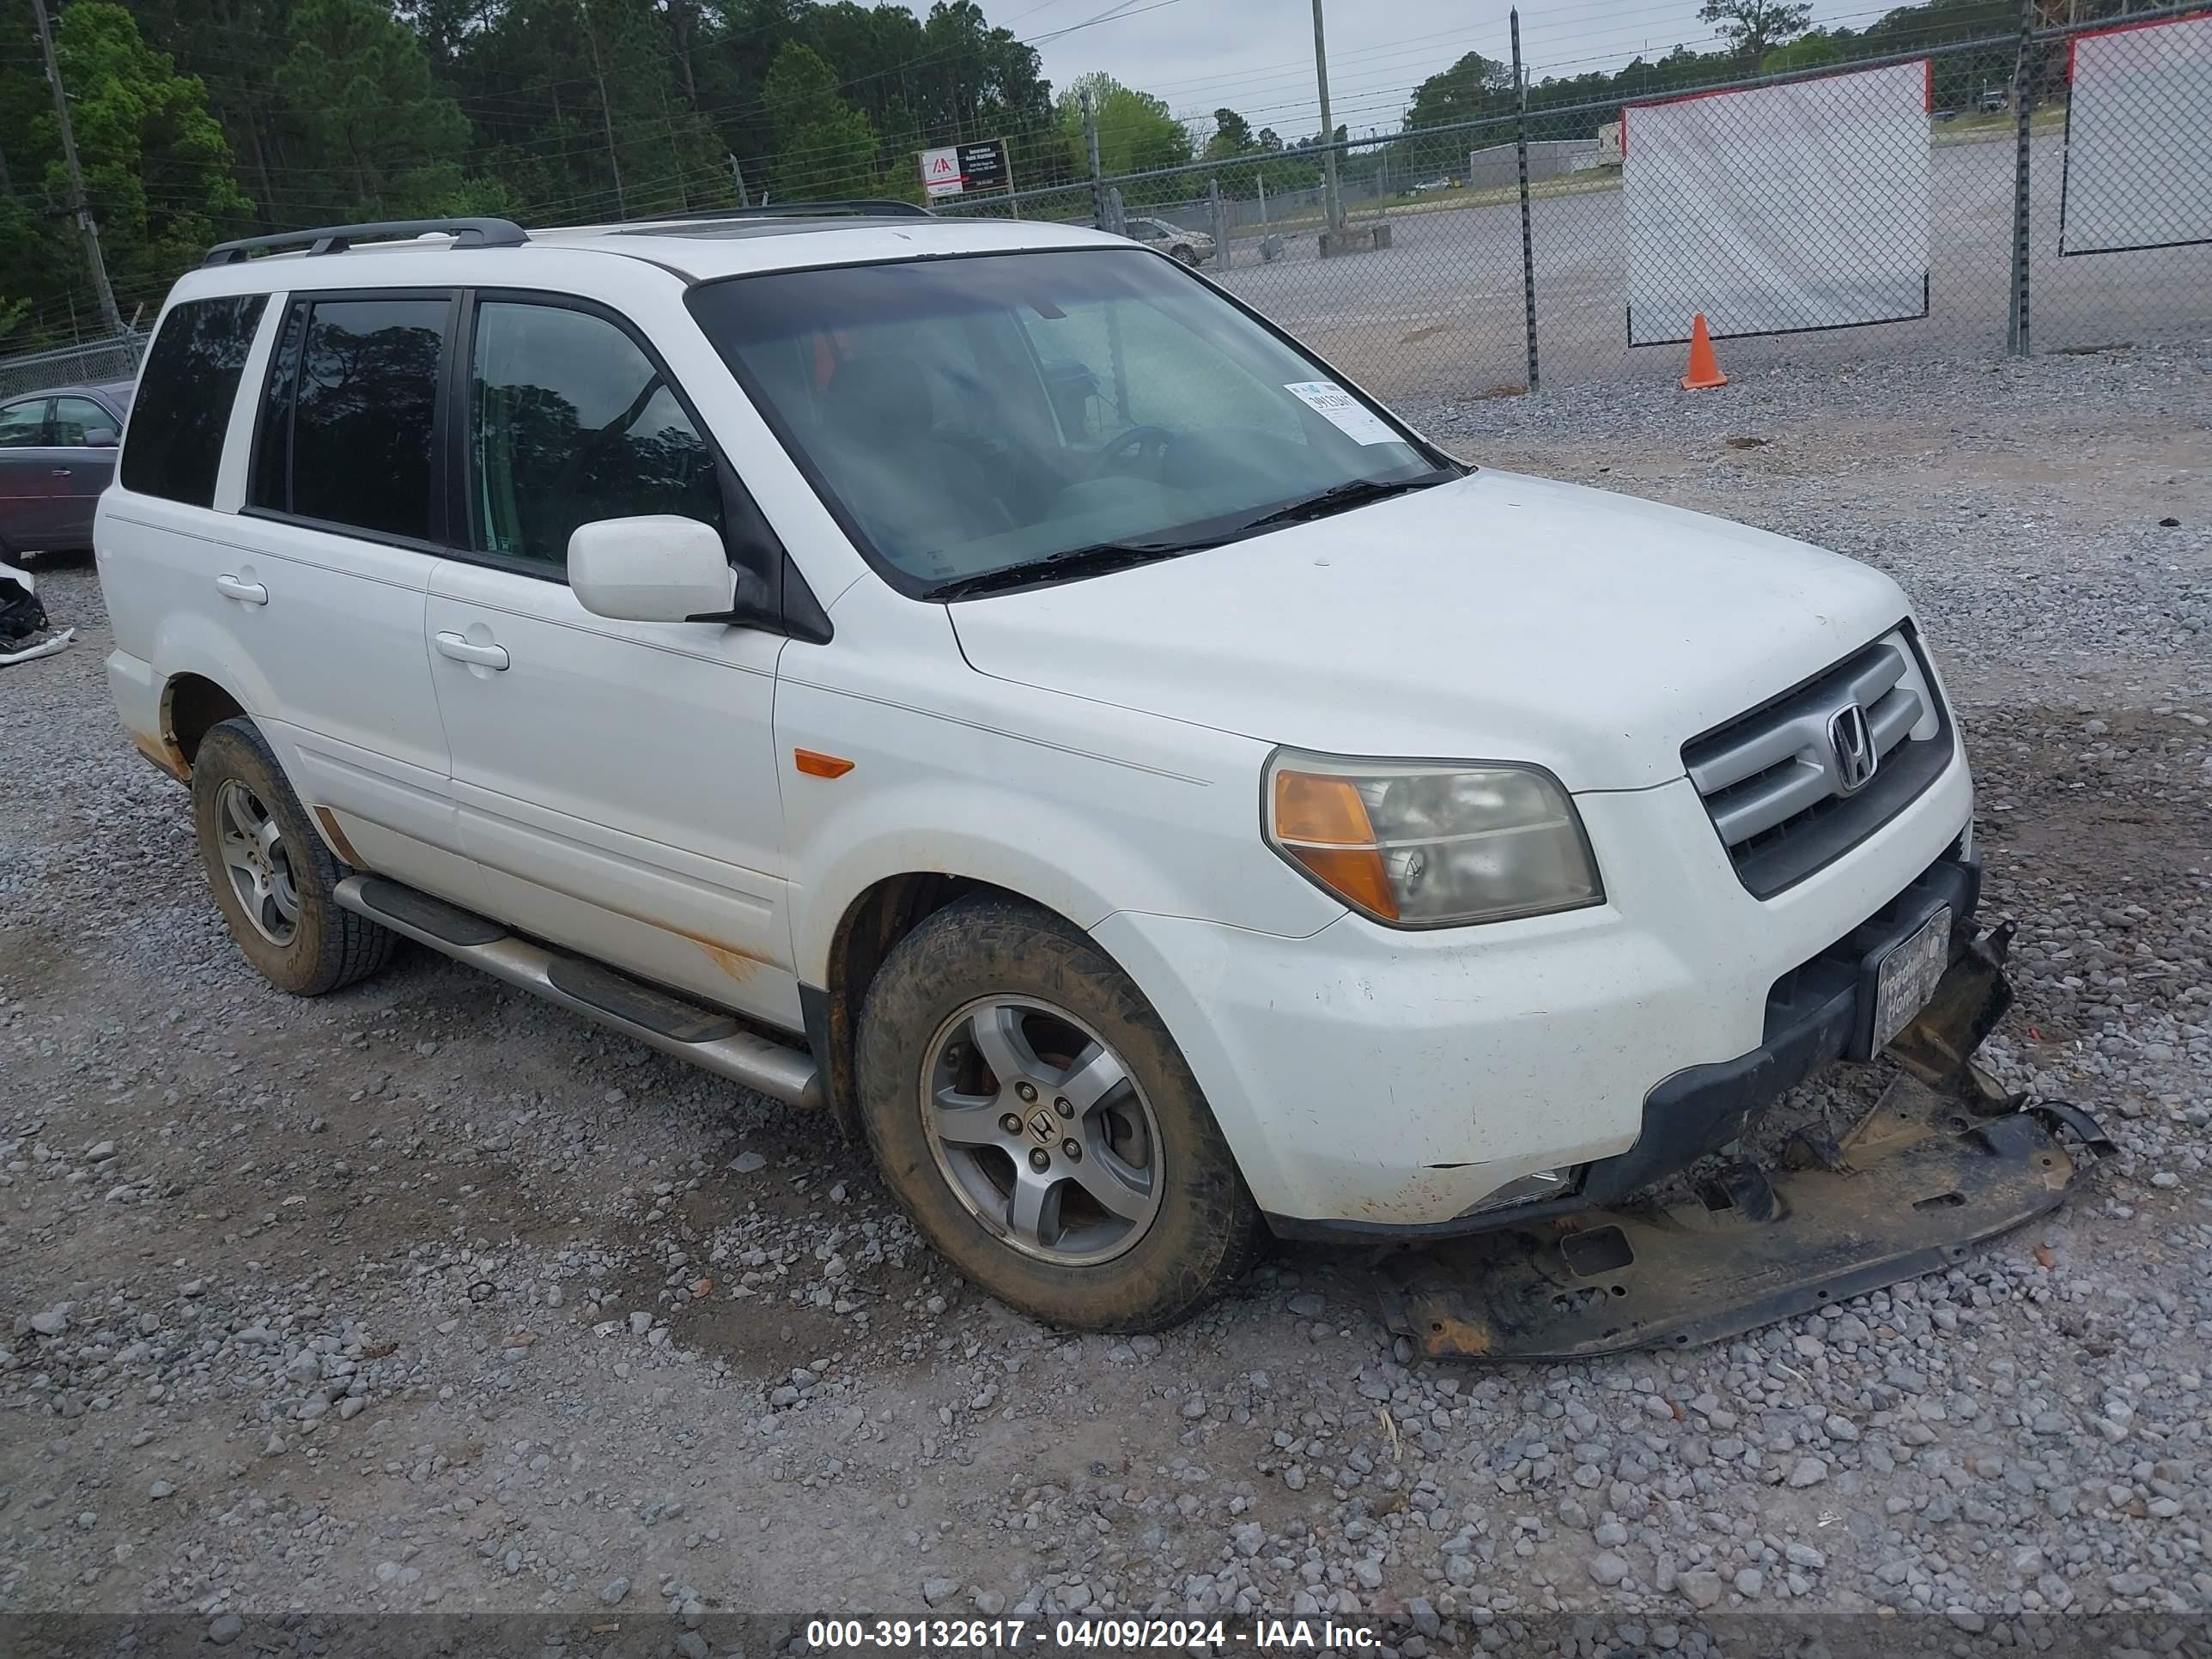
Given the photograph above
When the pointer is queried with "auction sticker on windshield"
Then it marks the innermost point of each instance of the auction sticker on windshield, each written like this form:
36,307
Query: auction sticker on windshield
1343,411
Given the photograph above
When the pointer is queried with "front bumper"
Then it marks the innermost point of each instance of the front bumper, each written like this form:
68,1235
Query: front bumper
1822,1011
1819,1012
1376,1081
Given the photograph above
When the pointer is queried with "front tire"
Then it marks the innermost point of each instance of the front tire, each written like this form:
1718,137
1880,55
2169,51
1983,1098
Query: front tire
1037,1121
1188,255
272,877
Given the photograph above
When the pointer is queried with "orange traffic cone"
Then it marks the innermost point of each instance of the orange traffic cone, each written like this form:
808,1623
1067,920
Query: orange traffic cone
1705,368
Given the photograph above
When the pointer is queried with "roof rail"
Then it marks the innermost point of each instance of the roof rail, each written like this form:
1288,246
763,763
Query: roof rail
336,239
862,208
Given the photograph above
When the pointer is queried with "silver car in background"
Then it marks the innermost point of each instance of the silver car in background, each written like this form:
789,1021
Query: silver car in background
1193,248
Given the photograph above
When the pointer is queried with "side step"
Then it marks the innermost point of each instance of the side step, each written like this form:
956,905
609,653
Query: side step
692,1031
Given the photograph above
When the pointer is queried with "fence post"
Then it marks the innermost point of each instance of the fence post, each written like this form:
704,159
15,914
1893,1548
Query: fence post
1528,239
2016,331
1091,149
1218,222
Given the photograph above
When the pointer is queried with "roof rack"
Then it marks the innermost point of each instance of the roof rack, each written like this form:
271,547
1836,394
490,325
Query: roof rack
336,239
862,208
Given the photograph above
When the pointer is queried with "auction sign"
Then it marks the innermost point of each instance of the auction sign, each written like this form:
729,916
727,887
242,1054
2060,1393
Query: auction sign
964,169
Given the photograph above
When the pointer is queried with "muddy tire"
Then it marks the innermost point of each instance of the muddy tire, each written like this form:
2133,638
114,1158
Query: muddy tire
1037,1121
270,873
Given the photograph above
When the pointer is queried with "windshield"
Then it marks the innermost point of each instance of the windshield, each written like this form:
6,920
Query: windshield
981,423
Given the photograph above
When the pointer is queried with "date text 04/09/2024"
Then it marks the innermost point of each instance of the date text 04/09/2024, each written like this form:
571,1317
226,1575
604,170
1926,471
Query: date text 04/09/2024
1083,1635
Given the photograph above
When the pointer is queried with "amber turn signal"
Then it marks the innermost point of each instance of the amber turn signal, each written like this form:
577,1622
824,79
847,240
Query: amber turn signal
816,764
1321,823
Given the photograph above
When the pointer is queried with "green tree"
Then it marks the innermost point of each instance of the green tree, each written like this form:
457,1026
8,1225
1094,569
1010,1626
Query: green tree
1136,131
1470,89
375,130
580,113
824,148
1232,135
1807,51
1753,27
157,168
235,47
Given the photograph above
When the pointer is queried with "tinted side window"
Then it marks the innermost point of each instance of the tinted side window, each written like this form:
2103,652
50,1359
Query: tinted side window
22,426
74,417
569,421
363,405
184,393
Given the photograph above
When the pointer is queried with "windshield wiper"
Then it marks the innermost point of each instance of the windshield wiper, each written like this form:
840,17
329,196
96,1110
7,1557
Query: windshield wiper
1093,560
1337,498
1103,556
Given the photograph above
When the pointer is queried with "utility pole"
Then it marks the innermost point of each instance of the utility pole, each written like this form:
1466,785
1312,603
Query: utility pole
738,174
606,114
108,315
1332,202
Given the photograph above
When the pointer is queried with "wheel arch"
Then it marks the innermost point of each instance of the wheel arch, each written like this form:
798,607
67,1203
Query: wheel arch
191,706
869,928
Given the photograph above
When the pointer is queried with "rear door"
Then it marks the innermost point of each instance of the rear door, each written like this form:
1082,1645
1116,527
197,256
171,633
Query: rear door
324,571
26,486
81,470
615,780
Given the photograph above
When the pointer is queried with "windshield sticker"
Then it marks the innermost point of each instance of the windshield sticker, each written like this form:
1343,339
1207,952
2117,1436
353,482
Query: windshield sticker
1343,411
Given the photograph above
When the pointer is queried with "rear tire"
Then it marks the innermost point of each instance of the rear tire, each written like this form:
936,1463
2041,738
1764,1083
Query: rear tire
272,877
1115,1204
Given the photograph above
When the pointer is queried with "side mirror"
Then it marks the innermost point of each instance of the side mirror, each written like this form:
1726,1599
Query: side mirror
654,568
100,437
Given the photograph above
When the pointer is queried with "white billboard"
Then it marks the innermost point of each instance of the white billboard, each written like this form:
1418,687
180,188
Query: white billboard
2141,108
1775,209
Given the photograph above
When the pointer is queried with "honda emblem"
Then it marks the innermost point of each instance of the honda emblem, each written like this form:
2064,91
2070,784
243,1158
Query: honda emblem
1852,741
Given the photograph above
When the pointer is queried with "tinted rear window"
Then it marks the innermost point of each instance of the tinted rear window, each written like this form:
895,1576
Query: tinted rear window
182,412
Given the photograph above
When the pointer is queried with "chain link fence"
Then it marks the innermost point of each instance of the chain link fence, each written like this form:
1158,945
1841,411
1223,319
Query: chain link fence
2050,190
2047,191
93,362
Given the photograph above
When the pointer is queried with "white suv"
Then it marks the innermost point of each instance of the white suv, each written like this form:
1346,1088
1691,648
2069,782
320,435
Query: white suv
983,682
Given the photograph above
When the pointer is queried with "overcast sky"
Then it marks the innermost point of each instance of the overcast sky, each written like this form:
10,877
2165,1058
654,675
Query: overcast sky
1256,56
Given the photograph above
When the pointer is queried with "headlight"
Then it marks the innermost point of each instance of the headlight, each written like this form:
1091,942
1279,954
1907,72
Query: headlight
1425,844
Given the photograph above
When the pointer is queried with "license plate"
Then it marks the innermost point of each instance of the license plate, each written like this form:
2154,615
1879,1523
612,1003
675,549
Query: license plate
1907,978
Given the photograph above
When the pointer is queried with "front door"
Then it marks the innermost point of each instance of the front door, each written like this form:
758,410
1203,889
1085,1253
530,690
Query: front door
615,780
81,470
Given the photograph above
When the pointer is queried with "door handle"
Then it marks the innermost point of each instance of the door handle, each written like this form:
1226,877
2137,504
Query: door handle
244,593
61,472
492,656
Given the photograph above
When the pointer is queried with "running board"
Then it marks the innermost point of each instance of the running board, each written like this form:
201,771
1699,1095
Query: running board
704,1036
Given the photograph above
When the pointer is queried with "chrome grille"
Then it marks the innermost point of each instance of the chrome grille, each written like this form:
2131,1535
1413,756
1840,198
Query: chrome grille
1789,789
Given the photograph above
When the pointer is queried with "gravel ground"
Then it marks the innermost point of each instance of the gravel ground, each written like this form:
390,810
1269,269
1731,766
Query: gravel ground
427,1297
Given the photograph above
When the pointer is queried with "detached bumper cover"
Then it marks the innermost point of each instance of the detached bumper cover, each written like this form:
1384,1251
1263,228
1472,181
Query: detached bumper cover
1914,1198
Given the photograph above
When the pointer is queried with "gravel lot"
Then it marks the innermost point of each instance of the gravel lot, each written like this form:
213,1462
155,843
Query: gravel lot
426,1296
